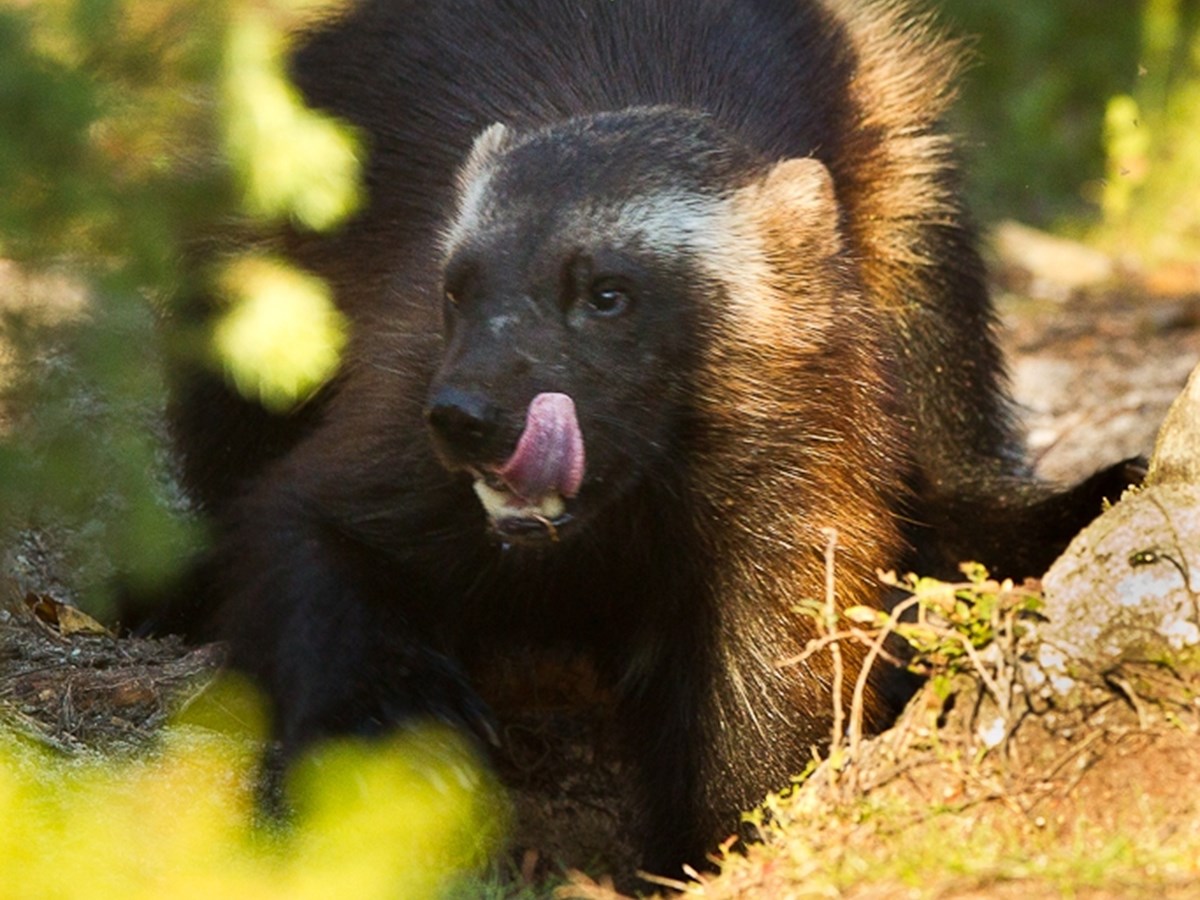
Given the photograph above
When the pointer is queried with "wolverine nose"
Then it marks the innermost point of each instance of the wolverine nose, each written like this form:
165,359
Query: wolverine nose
464,420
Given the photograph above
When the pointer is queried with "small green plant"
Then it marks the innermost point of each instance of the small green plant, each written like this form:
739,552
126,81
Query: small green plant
954,621
972,627
947,626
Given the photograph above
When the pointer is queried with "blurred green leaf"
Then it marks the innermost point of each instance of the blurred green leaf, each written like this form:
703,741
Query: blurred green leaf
404,817
282,337
290,160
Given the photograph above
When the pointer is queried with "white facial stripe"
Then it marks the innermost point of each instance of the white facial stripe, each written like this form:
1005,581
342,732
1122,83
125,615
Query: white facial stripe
710,228
673,221
472,211
704,225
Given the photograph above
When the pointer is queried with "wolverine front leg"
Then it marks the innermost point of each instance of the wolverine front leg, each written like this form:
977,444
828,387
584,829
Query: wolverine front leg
714,719
335,635
708,723
666,720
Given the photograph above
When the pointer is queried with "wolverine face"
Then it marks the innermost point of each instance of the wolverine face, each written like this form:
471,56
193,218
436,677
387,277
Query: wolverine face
578,267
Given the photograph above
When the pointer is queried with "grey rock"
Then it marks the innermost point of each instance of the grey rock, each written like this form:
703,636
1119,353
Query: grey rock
1127,589
1176,456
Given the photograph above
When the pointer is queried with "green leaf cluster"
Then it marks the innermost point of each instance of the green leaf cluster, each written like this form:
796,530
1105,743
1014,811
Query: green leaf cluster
955,618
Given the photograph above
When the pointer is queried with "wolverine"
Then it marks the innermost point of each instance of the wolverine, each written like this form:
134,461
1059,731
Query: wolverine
647,296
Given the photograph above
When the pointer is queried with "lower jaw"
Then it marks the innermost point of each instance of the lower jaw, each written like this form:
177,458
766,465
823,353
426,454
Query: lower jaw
534,530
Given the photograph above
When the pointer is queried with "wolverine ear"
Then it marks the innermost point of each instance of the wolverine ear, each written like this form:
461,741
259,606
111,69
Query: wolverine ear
797,198
490,143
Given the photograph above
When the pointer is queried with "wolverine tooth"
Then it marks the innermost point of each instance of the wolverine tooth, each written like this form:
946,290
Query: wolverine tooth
552,506
494,502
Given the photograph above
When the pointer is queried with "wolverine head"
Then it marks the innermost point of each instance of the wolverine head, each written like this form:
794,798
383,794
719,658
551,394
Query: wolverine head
587,269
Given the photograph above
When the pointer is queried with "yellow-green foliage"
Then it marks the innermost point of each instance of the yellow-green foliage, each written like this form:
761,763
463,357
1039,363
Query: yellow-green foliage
965,612
281,337
128,129
291,162
1151,196
402,818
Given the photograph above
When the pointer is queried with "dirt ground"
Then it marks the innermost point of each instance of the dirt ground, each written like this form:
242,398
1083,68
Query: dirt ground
1094,367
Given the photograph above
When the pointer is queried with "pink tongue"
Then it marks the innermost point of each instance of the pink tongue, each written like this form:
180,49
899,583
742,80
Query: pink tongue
549,454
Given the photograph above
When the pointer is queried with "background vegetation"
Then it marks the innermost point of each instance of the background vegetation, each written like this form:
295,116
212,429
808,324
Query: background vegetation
130,129
1085,117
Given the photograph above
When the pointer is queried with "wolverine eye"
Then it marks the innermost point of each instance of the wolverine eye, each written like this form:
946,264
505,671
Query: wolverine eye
607,299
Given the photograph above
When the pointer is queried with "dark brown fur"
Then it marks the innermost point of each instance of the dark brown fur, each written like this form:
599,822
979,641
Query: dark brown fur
827,362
